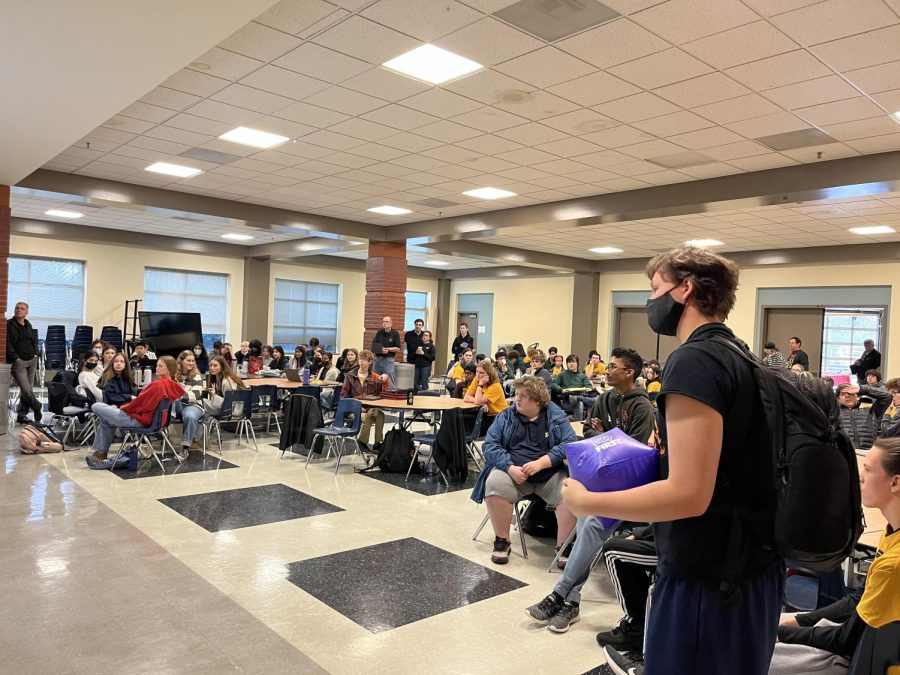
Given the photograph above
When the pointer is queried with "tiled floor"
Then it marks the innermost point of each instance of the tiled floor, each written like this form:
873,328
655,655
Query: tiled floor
109,576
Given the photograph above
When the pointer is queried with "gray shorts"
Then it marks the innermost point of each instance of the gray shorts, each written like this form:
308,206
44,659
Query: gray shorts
500,484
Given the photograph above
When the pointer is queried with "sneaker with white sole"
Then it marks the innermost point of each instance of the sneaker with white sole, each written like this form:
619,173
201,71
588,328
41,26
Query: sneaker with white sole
621,664
502,547
568,614
543,611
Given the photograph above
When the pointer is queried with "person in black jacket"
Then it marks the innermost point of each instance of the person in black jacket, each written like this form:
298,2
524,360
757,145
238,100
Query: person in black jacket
862,424
463,341
423,357
117,382
21,353
870,360
201,358
279,362
412,339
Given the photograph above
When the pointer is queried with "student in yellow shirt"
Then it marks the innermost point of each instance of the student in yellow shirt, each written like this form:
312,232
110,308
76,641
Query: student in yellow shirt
595,366
486,391
653,382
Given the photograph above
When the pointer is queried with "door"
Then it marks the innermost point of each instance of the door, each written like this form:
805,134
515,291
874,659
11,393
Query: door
471,320
780,324
633,332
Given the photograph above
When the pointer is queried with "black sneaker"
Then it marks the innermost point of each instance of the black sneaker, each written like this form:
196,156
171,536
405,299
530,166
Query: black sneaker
626,637
21,419
502,547
568,614
621,664
38,414
545,609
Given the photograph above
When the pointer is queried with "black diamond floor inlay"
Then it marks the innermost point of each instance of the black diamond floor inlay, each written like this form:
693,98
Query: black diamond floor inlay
246,507
396,583
149,468
424,484
600,670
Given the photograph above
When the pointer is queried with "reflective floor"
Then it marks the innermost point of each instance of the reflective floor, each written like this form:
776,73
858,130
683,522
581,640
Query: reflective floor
255,564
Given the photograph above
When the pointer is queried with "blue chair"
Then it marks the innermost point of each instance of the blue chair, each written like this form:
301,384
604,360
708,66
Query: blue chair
337,434
264,401
158,428
237,407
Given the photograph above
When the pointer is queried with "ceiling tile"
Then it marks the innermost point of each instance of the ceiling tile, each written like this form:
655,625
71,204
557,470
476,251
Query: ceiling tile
834,19
410,142
613,43
635,108
680,21
634,168
450,154
252,99
400,117
840,111
660,69
293,16
366,40
165,97
618,137
345,101
725,153
200,125
735,109
385,84
423,20
887,143
767,125
322,63
329,139
222,112
489,119
811,92
561,166
489,42
648,149
128,124
225,64
568,147
860,51
364,129
311,115
489,144
446,131
773,7
441,103
702,90
531,134
545,67
605,158
874,126
147,112
780,70
538,106
168,133
889,100
733,47
487,86
676,123
594,89
871,80
706,138
527,156
760,162
284,82
283,127
260,42
580,122
377,152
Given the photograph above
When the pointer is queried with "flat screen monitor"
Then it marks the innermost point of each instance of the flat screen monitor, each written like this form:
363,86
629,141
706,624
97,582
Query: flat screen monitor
170,333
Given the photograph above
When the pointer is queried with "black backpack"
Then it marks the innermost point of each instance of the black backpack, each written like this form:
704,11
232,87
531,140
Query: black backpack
818,511
396,452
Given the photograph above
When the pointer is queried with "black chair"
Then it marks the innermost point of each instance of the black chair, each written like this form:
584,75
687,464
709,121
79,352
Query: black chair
158,428
264,401
237,407
58,397
112,335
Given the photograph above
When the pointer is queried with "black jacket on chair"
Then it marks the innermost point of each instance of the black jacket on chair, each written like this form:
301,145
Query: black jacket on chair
450,447
301,415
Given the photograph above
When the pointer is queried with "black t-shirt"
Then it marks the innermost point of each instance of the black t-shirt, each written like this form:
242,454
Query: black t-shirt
385,339
695,548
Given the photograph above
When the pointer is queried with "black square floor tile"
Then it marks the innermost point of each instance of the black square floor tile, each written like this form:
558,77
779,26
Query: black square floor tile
398,582
246,507
423,484
149,468
600,670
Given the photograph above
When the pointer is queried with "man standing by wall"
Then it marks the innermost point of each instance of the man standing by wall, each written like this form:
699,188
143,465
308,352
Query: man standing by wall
21,353
870,360
797,354
385,346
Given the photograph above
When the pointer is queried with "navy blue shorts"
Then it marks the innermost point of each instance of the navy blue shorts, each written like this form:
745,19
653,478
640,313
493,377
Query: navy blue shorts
690,632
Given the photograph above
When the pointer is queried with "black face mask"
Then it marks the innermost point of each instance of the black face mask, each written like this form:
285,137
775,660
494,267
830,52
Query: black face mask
664,313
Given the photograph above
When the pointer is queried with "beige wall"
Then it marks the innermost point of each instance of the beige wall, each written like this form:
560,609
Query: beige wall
744,315
525,310
115,273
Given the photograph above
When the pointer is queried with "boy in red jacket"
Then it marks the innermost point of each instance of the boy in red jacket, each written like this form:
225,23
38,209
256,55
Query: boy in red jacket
138,411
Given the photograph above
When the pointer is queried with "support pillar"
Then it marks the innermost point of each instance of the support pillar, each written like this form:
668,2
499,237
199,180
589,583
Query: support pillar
257,301
586,299
442,325
5,215
386,274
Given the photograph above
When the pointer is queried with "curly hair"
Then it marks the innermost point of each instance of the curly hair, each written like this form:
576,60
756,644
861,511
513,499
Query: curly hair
715,278
535,389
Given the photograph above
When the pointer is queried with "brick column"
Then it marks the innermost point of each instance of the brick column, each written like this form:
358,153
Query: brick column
385,289
5,214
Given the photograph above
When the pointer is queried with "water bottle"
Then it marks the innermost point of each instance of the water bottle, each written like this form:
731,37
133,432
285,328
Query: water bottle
148,376
305,375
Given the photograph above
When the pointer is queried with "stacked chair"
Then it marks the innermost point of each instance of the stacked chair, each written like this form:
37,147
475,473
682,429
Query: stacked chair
55,353
112,335
84,338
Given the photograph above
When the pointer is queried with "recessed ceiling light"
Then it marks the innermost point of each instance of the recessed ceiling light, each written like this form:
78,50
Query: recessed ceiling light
605,249
389,210
56,213
489,193
896,116
173,169
704,243
873,229
432,64
437,263
237,237
253,137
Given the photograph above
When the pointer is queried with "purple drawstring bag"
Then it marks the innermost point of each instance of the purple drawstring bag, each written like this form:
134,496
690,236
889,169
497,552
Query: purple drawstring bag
611,462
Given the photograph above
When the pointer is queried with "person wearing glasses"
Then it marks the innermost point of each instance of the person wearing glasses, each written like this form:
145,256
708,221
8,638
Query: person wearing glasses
385,346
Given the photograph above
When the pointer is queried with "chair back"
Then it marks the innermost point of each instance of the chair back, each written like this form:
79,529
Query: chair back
475,432
263,399
236,396
348,406
161,417
57,397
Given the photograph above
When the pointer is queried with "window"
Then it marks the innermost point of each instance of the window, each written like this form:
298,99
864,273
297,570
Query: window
53,289
843,336
180,291
304,310
416,308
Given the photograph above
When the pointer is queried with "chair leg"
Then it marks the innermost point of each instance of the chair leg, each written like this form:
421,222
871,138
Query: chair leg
251,435
481,527
519,528
473,453
412,461
312,447
561,549
339,451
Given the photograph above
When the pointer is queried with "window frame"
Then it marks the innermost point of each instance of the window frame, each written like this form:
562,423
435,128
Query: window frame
857,335
41,326
420,313
209,336
305,330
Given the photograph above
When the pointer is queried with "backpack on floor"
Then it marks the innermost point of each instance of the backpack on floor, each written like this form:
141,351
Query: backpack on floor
396,452
35,439
818,509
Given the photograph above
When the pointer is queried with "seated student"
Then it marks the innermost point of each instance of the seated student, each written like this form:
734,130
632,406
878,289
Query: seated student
558,366
117,382
354,387
201,358
619,408
890,421
316,361
654,383
595,366
217,348
423,358
220,380
773,358
538,370
298,360
516,363
552,352
340,360
140,411
880,602
97,346
797,368
457,372
486,391
462,386
189,407
109,353
529,355
524,456
501,365
573,378
139,358
862,425
228,354
278,361
351,361
328,373
266,355
89,377
243,353
873,379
